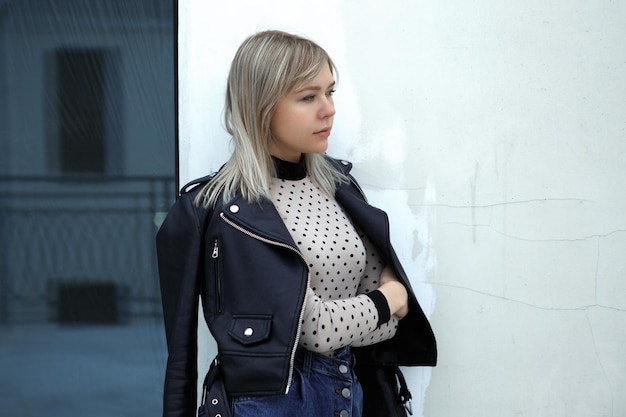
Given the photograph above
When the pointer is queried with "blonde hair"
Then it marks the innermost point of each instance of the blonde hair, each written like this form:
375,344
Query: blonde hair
266,67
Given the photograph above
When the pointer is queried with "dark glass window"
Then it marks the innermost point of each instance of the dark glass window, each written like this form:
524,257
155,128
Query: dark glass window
87,161
82,100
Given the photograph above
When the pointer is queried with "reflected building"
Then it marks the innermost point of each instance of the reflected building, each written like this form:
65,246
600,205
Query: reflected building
87,128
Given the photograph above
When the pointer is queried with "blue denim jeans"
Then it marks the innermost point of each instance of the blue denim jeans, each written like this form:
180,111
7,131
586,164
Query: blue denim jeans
322,386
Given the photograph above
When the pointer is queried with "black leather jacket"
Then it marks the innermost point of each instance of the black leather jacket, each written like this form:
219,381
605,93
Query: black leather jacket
252,279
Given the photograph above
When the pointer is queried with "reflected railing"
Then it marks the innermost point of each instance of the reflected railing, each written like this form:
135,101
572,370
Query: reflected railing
80,249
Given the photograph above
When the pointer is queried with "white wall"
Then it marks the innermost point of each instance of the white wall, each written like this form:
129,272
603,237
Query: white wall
494,133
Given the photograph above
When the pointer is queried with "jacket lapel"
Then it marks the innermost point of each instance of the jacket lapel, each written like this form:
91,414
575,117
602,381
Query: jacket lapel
371,220
261,219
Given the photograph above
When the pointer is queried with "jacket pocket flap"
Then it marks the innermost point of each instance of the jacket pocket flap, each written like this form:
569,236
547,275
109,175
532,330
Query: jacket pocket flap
249,329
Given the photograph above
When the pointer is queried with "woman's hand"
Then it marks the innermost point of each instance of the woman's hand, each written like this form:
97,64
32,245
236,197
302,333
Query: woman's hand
395,293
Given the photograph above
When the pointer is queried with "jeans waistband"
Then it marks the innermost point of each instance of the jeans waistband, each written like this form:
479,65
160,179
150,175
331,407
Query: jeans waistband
340,365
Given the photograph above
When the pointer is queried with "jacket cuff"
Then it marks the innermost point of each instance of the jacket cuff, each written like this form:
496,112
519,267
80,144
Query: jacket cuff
384,314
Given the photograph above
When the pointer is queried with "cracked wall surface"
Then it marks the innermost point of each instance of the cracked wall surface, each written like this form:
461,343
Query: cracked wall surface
494,134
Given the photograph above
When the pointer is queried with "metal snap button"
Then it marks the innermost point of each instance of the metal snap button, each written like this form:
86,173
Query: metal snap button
248,332
234,209
343,369
345,392
344,413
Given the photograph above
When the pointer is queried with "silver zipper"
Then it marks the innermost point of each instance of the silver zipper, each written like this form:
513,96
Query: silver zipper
218,279
216,252
308,283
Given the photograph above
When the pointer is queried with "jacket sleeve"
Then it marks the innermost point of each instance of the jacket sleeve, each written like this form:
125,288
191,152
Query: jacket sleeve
179,246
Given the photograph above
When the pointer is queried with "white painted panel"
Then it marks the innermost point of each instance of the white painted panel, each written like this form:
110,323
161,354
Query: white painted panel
494,133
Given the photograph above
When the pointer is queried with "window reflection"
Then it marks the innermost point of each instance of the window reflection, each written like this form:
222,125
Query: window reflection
84,88
86,164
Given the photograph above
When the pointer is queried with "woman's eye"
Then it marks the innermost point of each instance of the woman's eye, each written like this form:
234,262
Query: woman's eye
311,97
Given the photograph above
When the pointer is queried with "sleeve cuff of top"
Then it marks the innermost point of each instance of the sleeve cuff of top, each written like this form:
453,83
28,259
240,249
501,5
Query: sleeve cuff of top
381,305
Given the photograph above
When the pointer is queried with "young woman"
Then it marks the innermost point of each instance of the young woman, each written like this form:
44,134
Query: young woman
301,288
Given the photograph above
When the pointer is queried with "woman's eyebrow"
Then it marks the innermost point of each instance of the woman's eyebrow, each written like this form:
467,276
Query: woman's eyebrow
313,88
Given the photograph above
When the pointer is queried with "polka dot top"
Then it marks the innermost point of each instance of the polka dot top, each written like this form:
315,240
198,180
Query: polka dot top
340,309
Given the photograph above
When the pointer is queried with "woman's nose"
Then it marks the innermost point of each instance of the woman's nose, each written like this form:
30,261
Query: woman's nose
328,109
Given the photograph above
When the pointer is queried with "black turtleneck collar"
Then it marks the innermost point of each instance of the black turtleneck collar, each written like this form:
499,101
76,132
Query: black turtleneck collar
292,171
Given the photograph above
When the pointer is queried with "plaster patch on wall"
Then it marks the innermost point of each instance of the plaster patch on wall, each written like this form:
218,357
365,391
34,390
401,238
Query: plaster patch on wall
412,234
387,142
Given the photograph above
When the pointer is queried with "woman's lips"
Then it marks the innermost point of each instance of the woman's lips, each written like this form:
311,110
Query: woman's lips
324,132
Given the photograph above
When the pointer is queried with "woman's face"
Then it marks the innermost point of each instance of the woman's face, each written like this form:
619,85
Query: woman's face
302,119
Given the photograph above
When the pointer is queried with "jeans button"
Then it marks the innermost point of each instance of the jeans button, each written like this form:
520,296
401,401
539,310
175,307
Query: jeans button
344,413
345,392
343,369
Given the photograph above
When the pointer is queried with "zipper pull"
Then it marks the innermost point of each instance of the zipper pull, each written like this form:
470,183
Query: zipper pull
216,251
